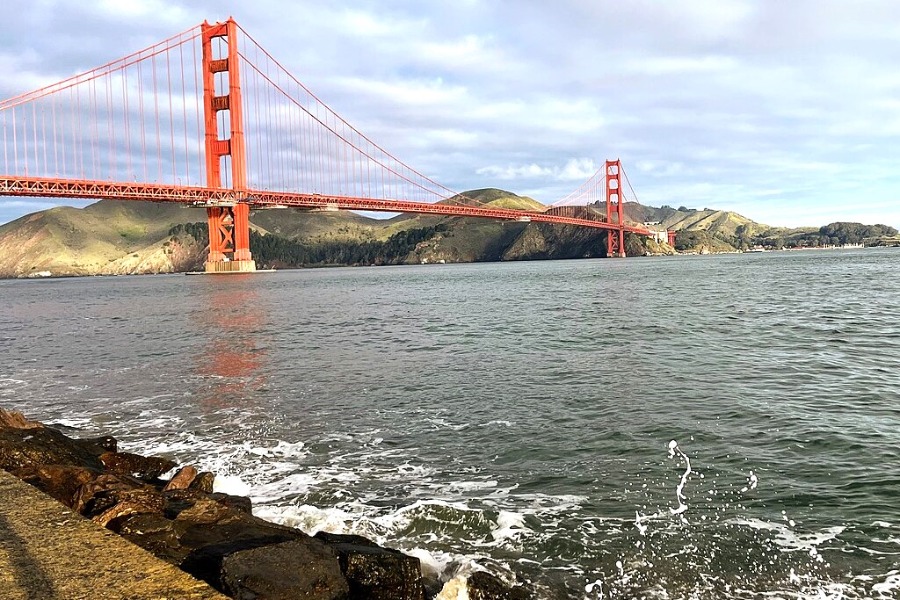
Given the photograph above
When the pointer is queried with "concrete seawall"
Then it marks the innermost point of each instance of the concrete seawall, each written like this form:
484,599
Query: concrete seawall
48,552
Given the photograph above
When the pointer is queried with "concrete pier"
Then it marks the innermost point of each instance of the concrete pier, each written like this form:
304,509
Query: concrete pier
48,552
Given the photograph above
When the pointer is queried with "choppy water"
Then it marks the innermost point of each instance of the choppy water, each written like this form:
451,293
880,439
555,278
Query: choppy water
518,417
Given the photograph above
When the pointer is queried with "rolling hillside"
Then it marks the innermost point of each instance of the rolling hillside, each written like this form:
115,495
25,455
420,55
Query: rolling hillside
113,237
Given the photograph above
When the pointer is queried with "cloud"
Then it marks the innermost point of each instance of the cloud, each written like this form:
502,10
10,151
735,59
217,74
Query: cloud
576,169
780,111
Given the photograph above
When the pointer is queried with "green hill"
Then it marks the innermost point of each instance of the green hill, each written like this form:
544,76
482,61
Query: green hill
115,237
495,198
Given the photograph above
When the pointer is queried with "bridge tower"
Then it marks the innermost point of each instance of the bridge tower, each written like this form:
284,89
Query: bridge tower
229,226
615,238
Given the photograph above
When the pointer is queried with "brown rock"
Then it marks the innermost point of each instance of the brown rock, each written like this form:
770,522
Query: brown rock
20,448
241,503
105,443
153,533
104,492
484,586
58,481
182,479
376,573
204,482
303,568
16,420
205,510
142,467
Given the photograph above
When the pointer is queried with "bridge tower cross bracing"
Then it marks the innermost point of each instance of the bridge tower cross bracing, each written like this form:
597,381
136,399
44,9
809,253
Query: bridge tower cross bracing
229,226
615,238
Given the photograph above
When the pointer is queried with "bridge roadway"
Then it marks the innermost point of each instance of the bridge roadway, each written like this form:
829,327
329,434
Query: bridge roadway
200,196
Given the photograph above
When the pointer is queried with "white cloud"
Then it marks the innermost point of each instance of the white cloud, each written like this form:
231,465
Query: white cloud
781,111
576,169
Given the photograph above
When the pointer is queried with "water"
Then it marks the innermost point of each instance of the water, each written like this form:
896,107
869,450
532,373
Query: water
687,427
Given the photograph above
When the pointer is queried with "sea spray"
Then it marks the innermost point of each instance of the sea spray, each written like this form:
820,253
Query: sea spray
674,451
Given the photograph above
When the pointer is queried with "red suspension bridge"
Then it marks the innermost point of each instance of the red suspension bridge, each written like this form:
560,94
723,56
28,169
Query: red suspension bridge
209,118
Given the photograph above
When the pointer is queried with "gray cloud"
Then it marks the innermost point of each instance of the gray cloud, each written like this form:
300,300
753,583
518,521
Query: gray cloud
785,112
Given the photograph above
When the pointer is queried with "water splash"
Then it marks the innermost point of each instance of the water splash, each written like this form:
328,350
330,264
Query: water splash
675,451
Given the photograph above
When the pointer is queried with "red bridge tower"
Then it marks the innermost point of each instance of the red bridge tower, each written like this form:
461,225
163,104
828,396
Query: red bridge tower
229,225
615,238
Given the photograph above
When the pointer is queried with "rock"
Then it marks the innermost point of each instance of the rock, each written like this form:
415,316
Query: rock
131,503
104,492
181,500
373,572
152,532
105,443
303,568
241,503
142,467
204,482
16,420
212,543
484,586
37,446
182,479
58,481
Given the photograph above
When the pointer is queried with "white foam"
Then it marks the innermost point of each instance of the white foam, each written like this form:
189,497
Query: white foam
888,587
311,519
509,526
231,484
454,589
433,563
790,540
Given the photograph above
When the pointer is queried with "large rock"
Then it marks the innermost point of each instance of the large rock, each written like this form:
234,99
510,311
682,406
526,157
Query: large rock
484,586
182,480
303,568
16,420
376,573
105,491
38,446
61,482
153,533
142,467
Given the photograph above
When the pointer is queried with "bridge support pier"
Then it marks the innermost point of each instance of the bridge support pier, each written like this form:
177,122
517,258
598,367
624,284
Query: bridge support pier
229,239
229,226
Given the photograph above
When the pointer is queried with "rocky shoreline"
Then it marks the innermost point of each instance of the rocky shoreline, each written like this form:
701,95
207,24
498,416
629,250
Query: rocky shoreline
214,536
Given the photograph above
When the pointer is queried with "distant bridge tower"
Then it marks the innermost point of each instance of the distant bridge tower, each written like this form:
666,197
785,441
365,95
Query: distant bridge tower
229,226
615,238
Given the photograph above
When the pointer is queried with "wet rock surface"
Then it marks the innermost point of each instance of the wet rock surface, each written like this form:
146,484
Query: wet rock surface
212,536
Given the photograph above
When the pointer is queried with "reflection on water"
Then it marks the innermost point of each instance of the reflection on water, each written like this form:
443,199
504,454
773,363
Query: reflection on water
231,316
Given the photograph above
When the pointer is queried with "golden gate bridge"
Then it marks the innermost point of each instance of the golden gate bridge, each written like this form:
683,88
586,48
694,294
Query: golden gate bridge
207,117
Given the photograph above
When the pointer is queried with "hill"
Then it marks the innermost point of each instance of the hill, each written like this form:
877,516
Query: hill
118,237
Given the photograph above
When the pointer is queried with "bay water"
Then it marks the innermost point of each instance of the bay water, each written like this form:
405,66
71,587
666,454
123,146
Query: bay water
683,427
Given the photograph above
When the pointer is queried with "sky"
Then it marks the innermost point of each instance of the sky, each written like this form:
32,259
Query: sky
787,112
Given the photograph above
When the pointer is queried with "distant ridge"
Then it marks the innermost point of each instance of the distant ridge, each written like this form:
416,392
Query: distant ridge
117,237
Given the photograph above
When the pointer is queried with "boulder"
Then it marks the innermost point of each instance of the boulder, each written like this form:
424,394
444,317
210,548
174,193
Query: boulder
182,480
302,568
99,495
142,467
373,572
38,446
15,420
105,443
204,482
484,586
241,503
152,532
61,482
131,503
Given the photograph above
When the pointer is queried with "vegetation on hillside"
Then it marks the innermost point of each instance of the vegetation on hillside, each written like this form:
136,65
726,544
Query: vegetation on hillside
270,250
